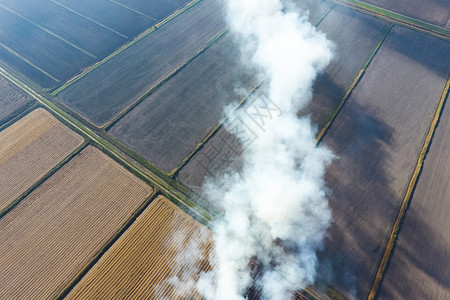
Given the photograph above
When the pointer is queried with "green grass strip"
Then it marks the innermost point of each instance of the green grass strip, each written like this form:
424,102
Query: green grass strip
48,31
89,19
124,47
398,18
407,199
28,62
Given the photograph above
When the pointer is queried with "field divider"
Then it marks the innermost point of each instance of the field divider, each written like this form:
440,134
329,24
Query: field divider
48,31
397,18
66,290
89,19
17,114
352,86
50,173
409,192
133,10
28,62
124,47
174,72
222,122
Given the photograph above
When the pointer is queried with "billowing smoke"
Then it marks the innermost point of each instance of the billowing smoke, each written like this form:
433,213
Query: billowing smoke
275,211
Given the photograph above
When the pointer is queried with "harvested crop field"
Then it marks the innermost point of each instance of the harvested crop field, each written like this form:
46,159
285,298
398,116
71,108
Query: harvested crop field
107,90
172,121
12,100
378,137
50,59
417,269
431,11
356,36
29,149
57,229
156,250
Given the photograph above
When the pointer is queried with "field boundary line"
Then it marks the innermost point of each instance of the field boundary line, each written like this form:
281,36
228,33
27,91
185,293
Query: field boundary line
174,72
28,62
175,171
133,166
122,48
116,236
48,31
44,178
89,19
397,18
352,86
133,10
409,192
18,114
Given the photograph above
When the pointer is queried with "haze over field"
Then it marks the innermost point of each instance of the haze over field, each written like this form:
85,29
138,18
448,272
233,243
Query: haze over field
275,213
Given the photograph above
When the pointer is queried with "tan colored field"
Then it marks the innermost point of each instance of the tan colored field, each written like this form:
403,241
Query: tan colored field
149,259
29,149
57,229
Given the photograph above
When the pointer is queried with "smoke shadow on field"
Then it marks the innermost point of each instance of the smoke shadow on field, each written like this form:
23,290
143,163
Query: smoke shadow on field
363,204
416,269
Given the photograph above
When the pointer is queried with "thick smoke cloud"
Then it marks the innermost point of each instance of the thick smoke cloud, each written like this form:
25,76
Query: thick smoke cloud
275,211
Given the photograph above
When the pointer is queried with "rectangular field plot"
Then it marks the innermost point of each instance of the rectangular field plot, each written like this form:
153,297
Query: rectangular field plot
316,8
157,9
111,15
56,230
27,46
377,138
172,121
12,100
74,28
29,149
156,250
436,12
418,266
109,89
356,36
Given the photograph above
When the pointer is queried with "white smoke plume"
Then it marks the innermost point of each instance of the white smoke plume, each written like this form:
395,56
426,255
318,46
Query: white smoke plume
275,210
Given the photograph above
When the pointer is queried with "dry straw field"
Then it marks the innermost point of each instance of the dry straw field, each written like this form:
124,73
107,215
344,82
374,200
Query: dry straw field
59,228
29,149
149,258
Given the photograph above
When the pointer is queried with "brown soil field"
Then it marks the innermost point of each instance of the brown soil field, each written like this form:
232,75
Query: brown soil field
57,229
418,268
109,89
171,122
431,11
377,138
12,100
149,258
29,149
355,36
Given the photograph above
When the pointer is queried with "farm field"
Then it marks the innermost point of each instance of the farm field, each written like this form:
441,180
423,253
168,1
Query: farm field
112,15
355,36
378,137
80,31
58,228
316,8
107,90
417,269
158,9
12,100
431,11
29,149
55,59
167,125
156,250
